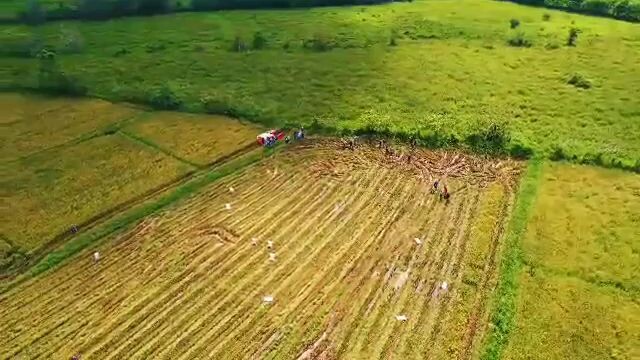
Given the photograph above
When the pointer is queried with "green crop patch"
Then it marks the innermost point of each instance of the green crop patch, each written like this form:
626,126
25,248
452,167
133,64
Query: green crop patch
585,224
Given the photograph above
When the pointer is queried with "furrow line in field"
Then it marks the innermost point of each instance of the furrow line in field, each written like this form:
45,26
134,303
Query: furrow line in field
446,272
426,279
395,344
310,285
489,272
76,301
375,288
384,294
332,288
168,292
159,316
282,266
395,303
91,313
258,225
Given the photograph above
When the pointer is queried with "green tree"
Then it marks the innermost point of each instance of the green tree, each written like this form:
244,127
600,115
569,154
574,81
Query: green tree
34,14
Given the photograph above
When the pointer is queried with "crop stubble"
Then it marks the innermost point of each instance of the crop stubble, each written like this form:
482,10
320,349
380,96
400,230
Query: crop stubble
188,283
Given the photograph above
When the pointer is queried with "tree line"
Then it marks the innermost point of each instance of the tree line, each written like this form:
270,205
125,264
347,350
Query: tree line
628,10
36,13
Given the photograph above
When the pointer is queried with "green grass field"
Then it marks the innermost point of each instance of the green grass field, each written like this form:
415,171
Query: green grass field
452,70
580,286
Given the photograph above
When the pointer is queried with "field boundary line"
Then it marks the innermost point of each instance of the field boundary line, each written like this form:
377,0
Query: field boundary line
152,145
88,136
130,213
504,307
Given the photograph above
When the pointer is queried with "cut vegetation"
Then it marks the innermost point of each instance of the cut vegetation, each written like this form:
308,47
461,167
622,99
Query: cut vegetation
342,225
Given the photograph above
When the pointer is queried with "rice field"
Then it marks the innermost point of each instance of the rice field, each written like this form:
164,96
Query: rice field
71,162
200,139
48,193
32,124
317,252
581,284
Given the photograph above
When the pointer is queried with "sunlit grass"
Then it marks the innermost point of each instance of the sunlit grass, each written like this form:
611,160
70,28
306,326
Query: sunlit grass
451,71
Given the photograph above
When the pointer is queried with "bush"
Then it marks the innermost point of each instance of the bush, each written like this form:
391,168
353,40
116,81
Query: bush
596,6
164,98
51,79
34,14
148,7
626,10
318,43
514,23
573,36
546,17
215,106
259,41
239,45
492,140
552,45
558,154
579,81
519,40
520,151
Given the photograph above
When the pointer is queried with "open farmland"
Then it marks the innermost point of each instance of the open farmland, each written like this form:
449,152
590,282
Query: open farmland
31,124
199,139
580,287
343,226
71,162
50,192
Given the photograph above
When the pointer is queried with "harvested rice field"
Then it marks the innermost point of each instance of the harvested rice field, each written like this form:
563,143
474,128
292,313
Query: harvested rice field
319,251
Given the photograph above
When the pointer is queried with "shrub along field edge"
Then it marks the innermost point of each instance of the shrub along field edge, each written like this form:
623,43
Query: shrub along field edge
134,215
503,311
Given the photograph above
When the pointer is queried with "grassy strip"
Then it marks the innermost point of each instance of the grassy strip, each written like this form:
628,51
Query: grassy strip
129,218
504,304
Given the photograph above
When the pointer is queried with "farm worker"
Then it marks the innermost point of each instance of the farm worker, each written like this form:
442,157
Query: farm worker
435,185
96,256
287,139
445,193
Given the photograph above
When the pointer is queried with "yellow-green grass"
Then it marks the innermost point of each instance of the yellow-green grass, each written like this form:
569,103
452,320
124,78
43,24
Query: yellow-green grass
580,286
452,70
31,124
201,139
45,194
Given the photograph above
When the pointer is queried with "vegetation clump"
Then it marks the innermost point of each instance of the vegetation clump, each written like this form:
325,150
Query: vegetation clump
519,39
163,98
573,36
579,81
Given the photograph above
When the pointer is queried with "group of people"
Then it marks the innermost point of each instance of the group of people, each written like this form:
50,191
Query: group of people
297,135
443,192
